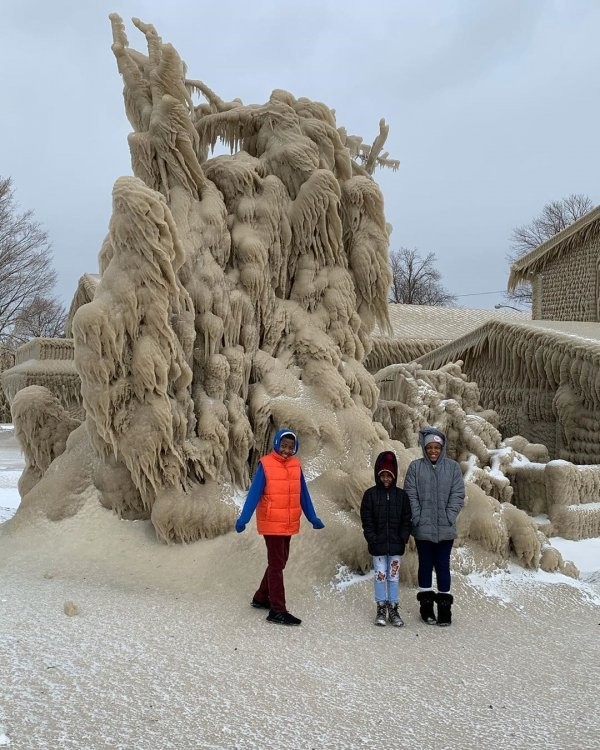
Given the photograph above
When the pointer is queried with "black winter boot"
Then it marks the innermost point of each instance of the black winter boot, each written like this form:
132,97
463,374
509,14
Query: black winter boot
380,617
394,615
426,600
444,609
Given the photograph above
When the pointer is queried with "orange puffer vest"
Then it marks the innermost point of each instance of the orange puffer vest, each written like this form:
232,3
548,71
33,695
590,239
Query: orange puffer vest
279,509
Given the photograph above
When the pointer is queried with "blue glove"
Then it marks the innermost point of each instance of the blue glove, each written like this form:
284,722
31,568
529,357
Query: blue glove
239,526
318,524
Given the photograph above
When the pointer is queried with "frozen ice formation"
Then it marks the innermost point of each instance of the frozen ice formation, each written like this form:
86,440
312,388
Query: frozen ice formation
236,293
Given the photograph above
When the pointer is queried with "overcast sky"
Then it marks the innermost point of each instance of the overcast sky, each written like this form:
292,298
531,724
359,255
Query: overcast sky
493,108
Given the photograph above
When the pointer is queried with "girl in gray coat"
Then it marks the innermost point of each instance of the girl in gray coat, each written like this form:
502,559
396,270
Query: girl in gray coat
436,490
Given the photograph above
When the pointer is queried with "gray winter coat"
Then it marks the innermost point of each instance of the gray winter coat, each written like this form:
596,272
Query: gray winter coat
437,493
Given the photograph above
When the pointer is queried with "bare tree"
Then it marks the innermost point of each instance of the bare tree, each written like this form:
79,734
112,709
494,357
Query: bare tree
26,274
554,217
416,280
45,316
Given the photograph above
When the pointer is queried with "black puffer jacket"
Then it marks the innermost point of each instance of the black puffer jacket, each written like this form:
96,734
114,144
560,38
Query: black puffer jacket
385,514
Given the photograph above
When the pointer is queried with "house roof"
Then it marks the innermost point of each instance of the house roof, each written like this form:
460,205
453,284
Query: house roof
86,289
571,335
577,233
430,322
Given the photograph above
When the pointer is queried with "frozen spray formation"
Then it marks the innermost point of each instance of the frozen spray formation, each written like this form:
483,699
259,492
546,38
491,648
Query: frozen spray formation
237,293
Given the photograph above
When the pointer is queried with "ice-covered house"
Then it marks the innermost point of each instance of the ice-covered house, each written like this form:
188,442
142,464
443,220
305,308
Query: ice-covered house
564,272
542,376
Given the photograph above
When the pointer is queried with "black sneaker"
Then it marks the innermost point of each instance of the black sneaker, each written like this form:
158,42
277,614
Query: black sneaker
282,618
260,605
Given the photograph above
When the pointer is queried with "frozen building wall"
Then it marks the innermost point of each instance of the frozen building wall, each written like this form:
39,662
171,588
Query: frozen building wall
568,287
564,273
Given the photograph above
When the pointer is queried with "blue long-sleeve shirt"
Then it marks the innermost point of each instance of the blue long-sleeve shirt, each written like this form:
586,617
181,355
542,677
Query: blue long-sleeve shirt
257,487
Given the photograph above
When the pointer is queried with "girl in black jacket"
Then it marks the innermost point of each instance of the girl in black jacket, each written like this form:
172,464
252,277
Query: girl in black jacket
386,521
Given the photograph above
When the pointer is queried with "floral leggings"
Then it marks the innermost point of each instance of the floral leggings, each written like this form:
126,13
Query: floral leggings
387,575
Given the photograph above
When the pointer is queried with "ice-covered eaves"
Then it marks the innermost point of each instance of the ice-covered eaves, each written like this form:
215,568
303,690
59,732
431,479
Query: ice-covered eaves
557,338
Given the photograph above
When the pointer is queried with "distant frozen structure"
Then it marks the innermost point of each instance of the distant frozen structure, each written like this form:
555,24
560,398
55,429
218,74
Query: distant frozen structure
238,294
515,472
564,273
542,377
47,362
419,329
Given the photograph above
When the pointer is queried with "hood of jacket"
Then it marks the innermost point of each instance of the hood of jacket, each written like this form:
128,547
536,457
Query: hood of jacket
285,433
423,432
386,458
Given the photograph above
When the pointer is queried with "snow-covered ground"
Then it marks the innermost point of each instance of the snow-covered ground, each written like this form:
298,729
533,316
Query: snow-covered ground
165,652
11,466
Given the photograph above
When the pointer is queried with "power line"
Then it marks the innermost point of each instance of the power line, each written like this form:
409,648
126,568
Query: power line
479,294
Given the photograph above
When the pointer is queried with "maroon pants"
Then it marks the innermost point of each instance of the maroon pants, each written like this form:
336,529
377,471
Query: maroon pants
271,587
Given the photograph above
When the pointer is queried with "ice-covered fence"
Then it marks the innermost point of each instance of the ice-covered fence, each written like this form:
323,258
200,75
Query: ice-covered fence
568,494
47,362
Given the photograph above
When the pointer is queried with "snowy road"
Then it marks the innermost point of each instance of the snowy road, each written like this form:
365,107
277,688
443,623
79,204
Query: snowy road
141,671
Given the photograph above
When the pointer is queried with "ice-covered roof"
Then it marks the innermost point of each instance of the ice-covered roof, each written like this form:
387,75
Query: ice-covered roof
585,331
86,289
427,322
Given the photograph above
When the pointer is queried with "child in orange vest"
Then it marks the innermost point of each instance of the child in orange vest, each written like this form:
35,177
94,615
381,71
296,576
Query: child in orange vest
279,495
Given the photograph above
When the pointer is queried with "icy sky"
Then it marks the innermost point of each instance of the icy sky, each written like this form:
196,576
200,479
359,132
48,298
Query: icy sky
493,108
